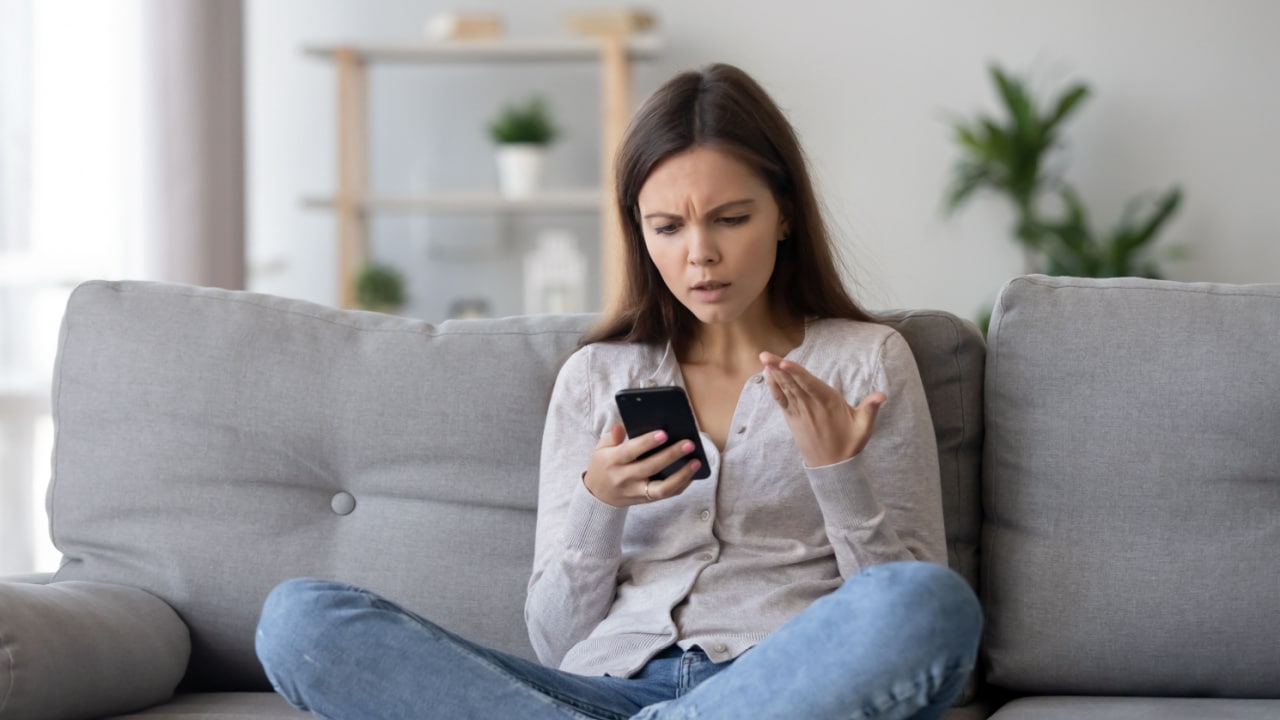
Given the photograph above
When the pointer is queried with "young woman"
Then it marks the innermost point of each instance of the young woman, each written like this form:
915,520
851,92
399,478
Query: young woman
805,579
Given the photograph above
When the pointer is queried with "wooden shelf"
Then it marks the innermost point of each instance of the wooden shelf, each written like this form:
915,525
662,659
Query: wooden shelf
567,201
352,202
481,51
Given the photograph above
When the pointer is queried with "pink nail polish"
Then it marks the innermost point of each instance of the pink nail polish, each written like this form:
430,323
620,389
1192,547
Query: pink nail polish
661,437
687,447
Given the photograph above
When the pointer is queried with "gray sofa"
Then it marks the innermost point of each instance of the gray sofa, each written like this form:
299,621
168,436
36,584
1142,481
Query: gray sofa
1110,463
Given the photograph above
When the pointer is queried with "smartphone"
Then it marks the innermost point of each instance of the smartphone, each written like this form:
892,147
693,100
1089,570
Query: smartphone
644,410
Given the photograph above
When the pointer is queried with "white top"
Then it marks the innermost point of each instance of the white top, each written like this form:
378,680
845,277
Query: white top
738,554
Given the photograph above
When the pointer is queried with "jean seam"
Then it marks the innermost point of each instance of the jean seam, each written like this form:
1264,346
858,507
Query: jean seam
947,674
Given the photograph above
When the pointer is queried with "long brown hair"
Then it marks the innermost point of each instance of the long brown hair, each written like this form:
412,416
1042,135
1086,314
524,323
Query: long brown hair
724,108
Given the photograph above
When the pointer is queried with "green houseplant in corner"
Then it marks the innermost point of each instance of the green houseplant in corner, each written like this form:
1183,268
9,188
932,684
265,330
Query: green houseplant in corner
1009,157
522,132
380,288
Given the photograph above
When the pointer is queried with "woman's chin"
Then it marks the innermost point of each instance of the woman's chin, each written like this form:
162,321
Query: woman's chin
715,315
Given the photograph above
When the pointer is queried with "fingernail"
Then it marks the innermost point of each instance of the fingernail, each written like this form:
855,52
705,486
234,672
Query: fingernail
660,437
687,447
695,464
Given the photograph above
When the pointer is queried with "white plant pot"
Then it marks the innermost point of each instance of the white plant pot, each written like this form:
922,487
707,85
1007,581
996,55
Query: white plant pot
520,169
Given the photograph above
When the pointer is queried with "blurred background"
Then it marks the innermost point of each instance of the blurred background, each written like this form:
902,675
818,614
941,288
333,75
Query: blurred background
197,141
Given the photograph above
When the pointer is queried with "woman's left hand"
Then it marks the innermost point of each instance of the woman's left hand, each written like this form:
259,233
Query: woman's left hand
826,429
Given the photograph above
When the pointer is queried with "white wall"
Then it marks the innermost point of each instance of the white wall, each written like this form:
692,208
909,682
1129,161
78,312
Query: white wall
1183,93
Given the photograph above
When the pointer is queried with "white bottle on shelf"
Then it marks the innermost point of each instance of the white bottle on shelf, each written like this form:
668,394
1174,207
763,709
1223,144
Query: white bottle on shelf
555,275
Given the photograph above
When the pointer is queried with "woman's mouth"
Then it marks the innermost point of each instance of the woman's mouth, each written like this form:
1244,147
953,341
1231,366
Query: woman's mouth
710,290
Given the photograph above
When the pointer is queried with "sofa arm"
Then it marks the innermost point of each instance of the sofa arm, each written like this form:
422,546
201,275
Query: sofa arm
86,650
30,578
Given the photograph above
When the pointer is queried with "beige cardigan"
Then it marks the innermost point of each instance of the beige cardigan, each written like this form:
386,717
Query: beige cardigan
736,555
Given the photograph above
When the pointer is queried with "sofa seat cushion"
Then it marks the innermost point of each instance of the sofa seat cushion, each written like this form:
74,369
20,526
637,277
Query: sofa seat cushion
1137,708
225,706
1131,486
270,706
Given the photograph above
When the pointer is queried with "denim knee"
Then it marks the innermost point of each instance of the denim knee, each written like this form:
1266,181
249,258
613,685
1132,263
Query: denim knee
291,626
944,607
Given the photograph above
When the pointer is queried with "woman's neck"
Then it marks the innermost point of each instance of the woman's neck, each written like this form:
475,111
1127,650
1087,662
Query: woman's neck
734,348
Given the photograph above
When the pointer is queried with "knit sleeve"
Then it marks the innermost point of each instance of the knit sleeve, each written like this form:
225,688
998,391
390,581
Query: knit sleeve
578,545
885,503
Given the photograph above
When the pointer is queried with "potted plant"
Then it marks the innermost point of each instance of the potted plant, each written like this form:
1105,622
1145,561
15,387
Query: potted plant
1010,157
380,288
522,132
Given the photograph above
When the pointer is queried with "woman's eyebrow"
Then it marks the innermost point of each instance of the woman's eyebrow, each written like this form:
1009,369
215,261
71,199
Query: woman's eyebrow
719,208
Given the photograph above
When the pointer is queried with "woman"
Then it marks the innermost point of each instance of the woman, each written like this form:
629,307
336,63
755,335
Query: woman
802,580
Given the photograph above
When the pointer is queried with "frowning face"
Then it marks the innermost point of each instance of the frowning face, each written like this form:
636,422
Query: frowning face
712,227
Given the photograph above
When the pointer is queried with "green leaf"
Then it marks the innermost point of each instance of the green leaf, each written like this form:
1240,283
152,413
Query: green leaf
999,142
1166,206
1067,103
379,286
1020,106
1129,237
969,177
970,141
527,123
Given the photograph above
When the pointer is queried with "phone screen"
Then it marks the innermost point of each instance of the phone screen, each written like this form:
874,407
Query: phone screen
644,410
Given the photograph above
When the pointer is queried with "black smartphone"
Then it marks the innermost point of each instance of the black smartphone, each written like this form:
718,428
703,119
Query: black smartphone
644,410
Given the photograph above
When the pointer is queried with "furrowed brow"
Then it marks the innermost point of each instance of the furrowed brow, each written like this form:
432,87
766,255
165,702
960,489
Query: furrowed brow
717,209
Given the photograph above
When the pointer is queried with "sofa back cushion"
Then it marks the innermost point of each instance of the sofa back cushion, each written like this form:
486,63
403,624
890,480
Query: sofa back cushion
951,354
1131,488
210,444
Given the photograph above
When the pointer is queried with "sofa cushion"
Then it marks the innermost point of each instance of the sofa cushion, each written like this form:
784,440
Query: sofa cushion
1137,708
224,706
1131,488
950,354
270,706
73,650
210,444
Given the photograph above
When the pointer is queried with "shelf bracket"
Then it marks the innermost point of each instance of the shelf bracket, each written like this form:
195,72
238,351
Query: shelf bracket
353,172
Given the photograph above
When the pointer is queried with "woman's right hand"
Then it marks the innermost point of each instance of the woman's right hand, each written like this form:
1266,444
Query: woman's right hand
616,477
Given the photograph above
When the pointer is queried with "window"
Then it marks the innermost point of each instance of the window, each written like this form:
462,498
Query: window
69,209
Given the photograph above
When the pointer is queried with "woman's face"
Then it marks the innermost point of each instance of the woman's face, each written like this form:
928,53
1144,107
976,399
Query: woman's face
712,228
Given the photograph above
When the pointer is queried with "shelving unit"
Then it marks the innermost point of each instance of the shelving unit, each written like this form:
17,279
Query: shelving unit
352,202
586,201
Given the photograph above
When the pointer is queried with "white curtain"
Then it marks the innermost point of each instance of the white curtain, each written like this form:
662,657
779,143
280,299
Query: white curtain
121,126
193,147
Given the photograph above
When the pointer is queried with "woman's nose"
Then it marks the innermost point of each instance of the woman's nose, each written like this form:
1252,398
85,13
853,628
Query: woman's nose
701,251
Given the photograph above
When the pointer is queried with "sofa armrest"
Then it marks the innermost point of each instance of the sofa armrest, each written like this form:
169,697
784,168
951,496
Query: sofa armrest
29,578
86,650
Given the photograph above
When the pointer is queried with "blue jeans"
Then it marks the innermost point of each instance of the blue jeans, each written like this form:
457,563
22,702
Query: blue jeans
896,641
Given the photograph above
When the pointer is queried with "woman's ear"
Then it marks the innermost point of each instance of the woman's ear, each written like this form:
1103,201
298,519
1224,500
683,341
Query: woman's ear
784,230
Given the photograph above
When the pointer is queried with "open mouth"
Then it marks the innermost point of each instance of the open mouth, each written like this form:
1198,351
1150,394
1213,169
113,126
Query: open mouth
710,291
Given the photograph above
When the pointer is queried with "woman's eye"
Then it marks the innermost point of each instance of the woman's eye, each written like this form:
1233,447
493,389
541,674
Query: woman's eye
665,229
735,220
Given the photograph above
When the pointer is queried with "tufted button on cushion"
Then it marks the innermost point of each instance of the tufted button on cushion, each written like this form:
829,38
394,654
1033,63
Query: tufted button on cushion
343,503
